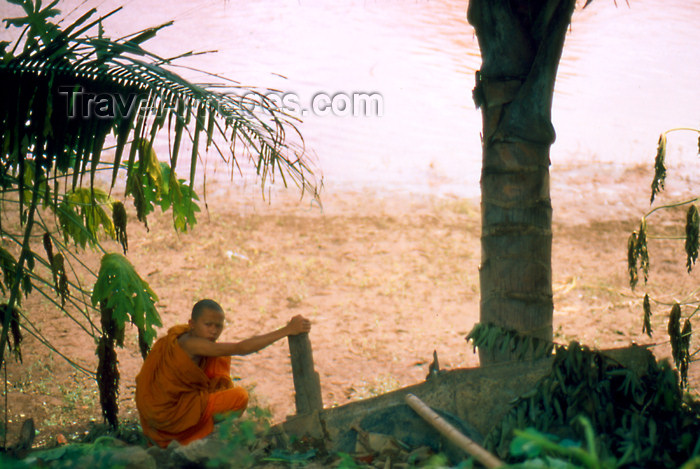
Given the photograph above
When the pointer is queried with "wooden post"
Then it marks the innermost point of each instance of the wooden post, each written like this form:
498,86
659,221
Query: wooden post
307,384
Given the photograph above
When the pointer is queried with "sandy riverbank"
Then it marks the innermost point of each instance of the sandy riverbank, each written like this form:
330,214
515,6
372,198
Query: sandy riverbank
386,279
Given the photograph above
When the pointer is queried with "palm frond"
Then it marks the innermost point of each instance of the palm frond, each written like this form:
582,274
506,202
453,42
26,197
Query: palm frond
66,92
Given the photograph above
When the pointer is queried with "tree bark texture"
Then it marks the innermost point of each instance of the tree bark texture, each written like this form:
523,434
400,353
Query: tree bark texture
521,43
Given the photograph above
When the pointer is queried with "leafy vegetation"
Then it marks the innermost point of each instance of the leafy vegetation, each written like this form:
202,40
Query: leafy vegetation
240,436
69,95
548,451
640,417
684,311
519,346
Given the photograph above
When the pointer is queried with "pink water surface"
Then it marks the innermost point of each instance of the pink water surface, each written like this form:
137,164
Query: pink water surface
627,73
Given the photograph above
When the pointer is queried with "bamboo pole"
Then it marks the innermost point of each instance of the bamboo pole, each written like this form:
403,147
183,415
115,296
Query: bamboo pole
451,433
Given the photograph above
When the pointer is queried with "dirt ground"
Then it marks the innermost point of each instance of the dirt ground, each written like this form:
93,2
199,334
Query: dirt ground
386,279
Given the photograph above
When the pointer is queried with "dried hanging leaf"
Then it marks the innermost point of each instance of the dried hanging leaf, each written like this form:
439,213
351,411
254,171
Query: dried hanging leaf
144,346
59,276
674,332
692,231
657,184
119,220
26,279
63,287
632,259
108,380
111,327
686,334
646,327
685,352
48,247
7,264
641,249
15,336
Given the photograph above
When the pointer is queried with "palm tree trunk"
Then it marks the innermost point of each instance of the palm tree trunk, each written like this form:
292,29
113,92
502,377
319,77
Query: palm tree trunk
521,44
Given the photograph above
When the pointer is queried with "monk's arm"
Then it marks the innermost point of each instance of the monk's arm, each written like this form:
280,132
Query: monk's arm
259,342
206,348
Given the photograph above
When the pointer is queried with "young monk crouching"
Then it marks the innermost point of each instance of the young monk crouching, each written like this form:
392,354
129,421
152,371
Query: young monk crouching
185,380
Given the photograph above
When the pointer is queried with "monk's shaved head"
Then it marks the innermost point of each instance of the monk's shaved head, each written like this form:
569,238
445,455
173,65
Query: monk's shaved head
203,305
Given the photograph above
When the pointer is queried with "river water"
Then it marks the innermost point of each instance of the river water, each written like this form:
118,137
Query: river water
628,72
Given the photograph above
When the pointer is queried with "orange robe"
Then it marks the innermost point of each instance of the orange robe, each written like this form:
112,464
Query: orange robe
177,399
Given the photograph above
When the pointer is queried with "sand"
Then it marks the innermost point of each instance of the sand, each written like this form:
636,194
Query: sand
386,278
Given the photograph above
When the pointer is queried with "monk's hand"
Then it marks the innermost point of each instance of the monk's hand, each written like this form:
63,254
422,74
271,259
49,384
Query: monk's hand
298,325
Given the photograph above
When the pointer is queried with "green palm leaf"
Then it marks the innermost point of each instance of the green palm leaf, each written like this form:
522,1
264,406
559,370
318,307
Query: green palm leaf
46,112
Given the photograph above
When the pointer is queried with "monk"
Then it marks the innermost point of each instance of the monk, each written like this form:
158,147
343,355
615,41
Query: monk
184,381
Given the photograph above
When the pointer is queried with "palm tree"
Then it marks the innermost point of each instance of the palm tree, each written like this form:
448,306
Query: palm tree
521,44
69,94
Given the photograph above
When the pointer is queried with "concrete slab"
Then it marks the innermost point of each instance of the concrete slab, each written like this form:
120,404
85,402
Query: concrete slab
472,399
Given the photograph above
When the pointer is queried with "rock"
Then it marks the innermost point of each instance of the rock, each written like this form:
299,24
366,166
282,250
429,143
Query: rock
104,452
131,457
304,425
162,457
376,443
199,451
